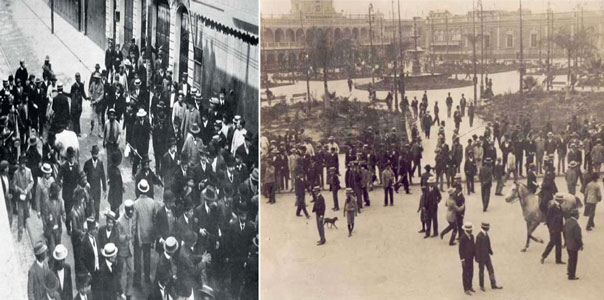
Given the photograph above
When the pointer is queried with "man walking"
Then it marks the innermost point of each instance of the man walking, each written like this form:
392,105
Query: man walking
466,254
431,200
555,224
483,256
449,103
593,195
486,180
319,210
574,243
95,173
144,213
78,92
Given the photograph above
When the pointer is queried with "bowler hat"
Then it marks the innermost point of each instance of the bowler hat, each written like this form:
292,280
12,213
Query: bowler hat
82,280
209,194
33,141
95,149
70,152
349,191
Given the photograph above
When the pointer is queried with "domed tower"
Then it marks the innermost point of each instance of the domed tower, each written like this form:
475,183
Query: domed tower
313,8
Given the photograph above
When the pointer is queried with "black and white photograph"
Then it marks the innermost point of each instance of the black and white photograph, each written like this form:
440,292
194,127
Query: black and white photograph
129,159
431,149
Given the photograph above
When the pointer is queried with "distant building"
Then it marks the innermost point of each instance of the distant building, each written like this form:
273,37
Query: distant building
441,34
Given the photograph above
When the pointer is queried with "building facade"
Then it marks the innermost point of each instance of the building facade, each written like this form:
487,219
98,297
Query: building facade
213,43
440,34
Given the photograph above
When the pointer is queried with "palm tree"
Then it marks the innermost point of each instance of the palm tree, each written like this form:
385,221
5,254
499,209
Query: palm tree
576,45
321,54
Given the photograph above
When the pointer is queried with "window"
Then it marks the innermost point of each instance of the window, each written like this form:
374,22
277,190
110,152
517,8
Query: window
509,41
533,40
162,36
487,41
198,55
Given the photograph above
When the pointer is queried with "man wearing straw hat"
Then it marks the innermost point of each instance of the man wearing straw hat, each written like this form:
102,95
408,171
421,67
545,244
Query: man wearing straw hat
144,213
483,256
141,133
466,254
555,223
37,272
63,271
105,283
126,229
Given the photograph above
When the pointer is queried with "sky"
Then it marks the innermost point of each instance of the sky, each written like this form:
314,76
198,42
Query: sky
410,8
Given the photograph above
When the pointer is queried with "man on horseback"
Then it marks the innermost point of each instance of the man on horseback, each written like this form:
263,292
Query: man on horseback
548,186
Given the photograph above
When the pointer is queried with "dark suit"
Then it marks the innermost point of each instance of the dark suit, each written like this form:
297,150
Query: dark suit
163,226
206,133
96,179
141,133
68,177
574,242
60,108
205,177
35,281
433,197
319,210
240,242
67,290
555,225
102,238
168,167
486,181
208,219
107,283
78,92
181,227
483,257
466,254
156,294
87,259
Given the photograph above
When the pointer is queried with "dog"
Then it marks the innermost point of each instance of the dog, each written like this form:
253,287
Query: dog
331,222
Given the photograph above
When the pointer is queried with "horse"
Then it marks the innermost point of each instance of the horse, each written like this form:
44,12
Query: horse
533,216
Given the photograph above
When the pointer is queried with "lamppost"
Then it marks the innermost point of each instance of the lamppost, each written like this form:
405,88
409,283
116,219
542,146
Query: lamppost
521,53
308,69
371,43
52,16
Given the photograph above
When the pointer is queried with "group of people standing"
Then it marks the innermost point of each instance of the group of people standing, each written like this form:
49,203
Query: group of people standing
203,224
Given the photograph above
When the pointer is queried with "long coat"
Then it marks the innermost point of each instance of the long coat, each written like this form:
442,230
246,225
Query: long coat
107,283
572,235
96,178
67,291
144,210
35,281
483,247
116,186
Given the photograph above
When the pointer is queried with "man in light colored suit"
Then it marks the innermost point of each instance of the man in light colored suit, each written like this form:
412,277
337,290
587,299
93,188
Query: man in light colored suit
144,211
36,289
22,183
126,227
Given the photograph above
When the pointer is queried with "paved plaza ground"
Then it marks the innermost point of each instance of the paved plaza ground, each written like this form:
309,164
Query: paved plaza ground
387,259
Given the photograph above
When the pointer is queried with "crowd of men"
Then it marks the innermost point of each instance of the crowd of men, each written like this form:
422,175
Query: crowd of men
197,208
509,148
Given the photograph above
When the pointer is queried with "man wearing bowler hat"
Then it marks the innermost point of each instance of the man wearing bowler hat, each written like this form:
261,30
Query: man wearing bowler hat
466,254
69,174
95,174
83,287
191,116
483,256
63,271
162,135
169,163
78,93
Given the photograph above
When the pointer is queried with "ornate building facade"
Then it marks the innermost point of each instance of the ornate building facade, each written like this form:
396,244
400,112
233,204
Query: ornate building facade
440,34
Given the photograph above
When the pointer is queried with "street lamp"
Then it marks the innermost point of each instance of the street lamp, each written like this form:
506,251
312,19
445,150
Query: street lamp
308,69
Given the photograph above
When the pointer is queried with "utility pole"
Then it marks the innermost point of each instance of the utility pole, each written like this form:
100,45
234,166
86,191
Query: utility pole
475,79
307,67
400,48
521,53
431,48
371,44
52,16
394,51
549,41
481,50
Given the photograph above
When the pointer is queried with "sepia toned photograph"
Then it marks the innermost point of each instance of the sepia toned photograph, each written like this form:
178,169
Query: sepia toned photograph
129,159
431,149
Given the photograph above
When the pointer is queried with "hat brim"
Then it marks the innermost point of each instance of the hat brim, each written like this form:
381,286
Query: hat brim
105,254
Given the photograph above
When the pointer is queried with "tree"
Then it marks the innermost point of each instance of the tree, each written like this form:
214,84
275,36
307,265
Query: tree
321,54
577,45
